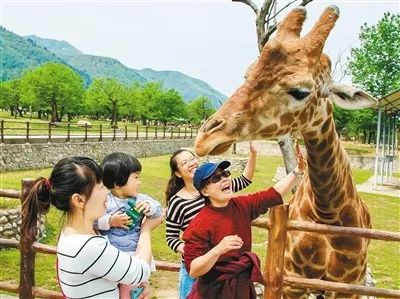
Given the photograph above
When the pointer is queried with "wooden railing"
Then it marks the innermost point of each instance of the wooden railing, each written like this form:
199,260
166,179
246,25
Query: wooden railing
278,226
26,288
48,132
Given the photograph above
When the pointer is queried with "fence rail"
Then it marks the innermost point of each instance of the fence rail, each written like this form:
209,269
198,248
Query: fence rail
67,132
278,226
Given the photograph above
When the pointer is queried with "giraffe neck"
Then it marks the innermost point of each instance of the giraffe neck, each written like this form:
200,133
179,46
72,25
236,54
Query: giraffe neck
328,166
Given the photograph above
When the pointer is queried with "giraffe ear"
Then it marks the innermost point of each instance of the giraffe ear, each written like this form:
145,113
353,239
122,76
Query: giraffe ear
350,97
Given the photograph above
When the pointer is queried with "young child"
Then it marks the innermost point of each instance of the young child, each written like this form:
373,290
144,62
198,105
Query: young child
122,177
218,241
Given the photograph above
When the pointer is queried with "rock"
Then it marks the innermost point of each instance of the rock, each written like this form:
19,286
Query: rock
3,219
83,123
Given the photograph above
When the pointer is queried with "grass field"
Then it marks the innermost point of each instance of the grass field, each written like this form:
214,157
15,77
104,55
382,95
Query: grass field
384,257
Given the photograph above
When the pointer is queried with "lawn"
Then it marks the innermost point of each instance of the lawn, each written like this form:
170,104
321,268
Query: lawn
384,257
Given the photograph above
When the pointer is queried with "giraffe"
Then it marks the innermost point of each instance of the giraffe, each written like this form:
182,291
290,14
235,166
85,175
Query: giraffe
290,89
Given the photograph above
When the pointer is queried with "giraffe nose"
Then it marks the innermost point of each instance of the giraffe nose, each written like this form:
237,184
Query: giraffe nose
214,125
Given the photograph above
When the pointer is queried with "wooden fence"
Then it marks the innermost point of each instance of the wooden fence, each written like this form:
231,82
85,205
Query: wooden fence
277,224
48,132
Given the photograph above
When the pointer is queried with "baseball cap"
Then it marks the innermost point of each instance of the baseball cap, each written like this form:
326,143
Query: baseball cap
206,170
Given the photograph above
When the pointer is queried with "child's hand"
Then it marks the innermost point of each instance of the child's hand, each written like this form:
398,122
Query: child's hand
120,219
143,207
229,243
252,148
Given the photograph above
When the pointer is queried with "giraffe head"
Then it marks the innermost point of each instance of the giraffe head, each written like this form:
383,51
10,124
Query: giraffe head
285,89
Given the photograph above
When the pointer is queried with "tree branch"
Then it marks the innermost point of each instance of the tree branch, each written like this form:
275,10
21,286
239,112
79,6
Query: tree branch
275,15
249,3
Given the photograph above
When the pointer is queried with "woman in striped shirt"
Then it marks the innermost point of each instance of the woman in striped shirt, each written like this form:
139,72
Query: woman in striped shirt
88,266
184,202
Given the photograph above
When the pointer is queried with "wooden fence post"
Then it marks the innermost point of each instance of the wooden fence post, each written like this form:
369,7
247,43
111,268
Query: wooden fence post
27,254
2,130
68,131
164,129
137,131
101,133
147,132
27,131
49,140
155,131
126,132
86,127
273,273
114,132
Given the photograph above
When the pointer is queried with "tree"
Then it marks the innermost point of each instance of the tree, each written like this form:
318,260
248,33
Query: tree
10,96
170,106
55,87
375,64
375,67
106,96
266,24
199,109
151,94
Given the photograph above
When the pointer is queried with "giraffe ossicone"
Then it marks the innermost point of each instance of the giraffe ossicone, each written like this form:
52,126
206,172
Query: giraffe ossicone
290,89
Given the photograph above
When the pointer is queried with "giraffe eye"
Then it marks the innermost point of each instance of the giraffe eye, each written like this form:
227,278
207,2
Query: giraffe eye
299,94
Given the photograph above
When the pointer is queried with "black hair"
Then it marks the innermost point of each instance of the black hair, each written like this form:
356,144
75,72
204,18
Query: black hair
117,167
69,176
175,183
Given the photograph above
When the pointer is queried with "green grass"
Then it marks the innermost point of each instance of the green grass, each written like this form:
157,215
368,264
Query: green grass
384,257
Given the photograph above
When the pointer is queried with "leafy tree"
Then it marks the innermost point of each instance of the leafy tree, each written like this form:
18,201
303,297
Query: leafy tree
151,95
133,108
106,96
375,66
10,96
53,87
170,106
200,109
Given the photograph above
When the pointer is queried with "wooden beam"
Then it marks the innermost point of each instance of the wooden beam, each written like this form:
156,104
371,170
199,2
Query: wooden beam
342,230
318,284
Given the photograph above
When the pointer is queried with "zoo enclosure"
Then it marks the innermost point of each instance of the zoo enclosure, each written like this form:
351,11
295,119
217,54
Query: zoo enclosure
277,224
67,132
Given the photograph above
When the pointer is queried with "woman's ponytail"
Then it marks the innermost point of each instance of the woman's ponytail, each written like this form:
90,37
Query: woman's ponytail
37,202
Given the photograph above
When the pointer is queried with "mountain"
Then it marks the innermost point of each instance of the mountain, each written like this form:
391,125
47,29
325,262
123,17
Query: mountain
20,54
60,48
180,81
98,66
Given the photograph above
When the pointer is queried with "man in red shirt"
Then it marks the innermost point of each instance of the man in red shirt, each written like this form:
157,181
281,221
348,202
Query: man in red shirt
218,241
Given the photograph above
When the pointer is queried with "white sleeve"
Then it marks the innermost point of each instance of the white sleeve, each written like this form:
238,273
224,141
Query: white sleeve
112,264
103,223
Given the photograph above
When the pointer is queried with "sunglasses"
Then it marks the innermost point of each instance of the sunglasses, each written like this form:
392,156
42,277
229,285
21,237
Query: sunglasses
216,177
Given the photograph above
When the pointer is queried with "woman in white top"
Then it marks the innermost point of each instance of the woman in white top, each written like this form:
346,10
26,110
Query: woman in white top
88,265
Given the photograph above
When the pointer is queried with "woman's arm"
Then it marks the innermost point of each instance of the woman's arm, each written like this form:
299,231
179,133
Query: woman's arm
288,182
248,171
144,244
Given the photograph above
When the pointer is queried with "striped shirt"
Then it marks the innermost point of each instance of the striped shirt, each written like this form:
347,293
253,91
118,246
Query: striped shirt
89,266
181,211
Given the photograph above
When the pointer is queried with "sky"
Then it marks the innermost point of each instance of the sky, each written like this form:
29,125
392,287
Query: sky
213,41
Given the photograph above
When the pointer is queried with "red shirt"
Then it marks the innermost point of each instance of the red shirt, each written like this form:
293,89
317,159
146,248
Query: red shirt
212,224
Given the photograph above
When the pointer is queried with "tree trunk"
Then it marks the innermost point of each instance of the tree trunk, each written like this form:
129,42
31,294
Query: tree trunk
39,114
114,115
364,140
53,113
12,110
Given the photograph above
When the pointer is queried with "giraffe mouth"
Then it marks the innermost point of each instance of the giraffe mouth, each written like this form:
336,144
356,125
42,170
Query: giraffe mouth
221,148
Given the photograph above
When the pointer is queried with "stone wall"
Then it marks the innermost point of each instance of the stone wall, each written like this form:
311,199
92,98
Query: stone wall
31,156
10,223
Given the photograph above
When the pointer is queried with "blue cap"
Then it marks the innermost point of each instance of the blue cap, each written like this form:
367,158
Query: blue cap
206,170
